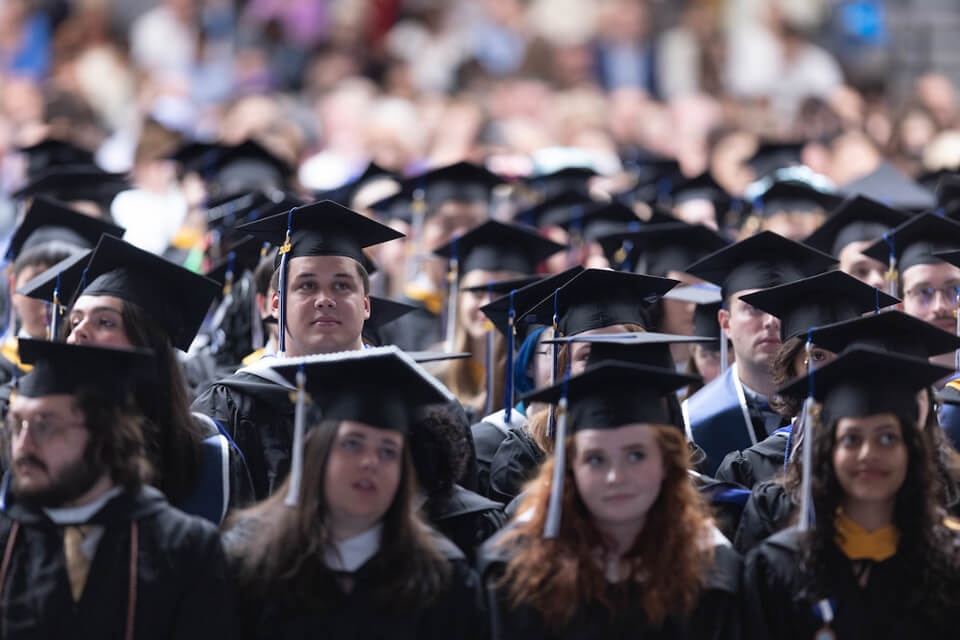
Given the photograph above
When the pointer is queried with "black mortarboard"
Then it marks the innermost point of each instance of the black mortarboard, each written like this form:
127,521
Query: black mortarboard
61,368
891,187
242,256
655,177
176,298
793,196
399,206
48,220
345,193
702,187
600,218
197,156
929,179
322,228
643,347
614,394
893,331
845,390
383,311
62,278
818,300
917,241
706,325
659,248
948,195
556,210
501,287
379,386
771,156
459,182
524,298
568,178
856,219
764,260
598,298
54,153
249,165
73,183
495,246
244,207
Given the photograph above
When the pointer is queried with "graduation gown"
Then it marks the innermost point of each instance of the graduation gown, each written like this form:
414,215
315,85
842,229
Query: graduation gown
465,517
762,461
777,605
182,588
716,616
418,330
507,456
457,613
768,510
717,418
224,480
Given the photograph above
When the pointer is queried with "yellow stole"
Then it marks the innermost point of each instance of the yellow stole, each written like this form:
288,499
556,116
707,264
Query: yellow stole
11,351
432,300
250,358
859,544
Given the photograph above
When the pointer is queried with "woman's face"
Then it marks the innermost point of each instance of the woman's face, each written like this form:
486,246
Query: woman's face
474,322
363,474
870,458
818,358
580,351
98,320
618,472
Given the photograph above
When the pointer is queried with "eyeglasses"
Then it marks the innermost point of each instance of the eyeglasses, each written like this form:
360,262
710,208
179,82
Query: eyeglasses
925,296
42,430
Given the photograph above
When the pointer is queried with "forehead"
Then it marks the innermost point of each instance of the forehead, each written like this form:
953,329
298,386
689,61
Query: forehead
88,303
323,265
867,422
56,403
630,434
369,432
931,273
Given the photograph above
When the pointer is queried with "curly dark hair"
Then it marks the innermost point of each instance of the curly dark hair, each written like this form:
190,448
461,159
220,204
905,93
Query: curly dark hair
440,450
925,554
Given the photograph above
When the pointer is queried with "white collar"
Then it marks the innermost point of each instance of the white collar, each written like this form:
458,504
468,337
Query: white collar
351,554
83,513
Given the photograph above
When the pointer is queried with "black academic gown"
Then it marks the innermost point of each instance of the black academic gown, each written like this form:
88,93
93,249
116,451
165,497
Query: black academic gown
716,616
778,605
768,510
418,330
182,589
458,613
762,461
465,517
507,456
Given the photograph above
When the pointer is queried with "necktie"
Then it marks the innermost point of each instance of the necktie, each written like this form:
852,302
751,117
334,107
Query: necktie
78,565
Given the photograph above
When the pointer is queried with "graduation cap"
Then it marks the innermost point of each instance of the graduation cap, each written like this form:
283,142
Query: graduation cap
764,260
597,298
52,152
177,299
948,195
523,299
495,246
893,331
56,285
845,392
459,182
856,219
916,241
242,256
702,187
197,156
556,210
794,196
566,179
245,165
771,155
383,311
61,368
424,357
888,185
47,220
345,193
644,348
818,300
249,206
74,183
655,177
342,386
665,247
599,219
501,287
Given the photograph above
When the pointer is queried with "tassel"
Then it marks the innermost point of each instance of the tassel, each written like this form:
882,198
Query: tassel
891,276
511,341
418,212
57,311
299,426
453,276
552,417
488,371
806,497
724,356
284,252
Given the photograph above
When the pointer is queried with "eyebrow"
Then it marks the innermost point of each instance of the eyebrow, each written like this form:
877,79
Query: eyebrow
309,274
97,310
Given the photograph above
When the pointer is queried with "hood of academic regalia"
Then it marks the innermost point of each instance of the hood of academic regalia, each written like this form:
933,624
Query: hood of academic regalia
459,502
123,508
262,389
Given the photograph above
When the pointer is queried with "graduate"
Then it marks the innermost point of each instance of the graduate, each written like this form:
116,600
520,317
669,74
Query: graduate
91,551
126,297
624,546
338,548
321,303
876,557
733,411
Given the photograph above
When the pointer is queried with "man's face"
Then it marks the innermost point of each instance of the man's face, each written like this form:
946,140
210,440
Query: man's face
50,461
860,266
31,312
929,293
755,335
326,305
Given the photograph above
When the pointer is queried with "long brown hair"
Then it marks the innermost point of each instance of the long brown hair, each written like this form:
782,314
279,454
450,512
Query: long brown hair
277,547
459,378
668,559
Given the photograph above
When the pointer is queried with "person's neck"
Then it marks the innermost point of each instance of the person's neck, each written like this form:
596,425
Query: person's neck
478,349
755,377
871,515
344,529
295,350
620,536
100,487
